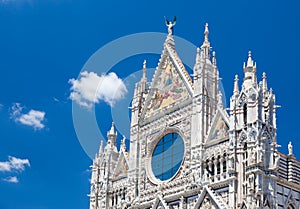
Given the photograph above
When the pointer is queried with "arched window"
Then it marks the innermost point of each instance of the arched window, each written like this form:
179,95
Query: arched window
245,114
218,165
213,167
224,164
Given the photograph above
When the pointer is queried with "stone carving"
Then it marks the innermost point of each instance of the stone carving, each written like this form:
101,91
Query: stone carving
290,148
259,154
170,25
276,160
253,155
206,204
227,168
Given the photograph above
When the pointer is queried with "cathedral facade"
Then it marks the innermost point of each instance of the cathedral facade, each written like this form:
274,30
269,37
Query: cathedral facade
188,151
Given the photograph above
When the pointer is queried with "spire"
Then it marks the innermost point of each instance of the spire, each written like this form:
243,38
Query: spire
144,78
220,100
214,60
206,32
250,61
198,56
112,135
264,82
101,147
111,132
112,129
250,72
236,85
206,44
123,143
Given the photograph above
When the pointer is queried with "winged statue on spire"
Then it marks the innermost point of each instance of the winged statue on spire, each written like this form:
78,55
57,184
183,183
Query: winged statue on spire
170,25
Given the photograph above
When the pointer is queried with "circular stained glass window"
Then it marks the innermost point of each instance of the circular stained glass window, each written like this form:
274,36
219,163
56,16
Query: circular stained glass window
167,156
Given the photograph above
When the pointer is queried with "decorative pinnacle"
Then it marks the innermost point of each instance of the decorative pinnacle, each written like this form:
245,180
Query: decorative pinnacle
264,82
206,45
250,61
214,60
101,147
236,85
144,78
206,32
112,129
123,143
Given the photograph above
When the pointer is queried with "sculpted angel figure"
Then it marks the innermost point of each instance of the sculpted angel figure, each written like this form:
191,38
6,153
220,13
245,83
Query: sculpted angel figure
170,25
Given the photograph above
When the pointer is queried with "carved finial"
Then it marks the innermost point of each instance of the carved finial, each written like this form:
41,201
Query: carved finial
236,85
112,129
206,45
123,143
250,61
264,82
144,70
206,32
220,100
101,147
290,148
214,59
198,55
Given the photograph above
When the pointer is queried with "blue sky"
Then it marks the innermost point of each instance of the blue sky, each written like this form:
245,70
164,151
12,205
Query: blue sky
45,43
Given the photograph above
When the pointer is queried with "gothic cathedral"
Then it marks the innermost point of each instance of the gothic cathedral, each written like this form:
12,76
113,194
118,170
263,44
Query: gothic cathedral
188,151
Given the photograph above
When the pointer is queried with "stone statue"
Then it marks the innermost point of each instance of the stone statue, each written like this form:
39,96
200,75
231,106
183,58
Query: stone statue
290,147
253,155
170,25
276,161
206,204
260,154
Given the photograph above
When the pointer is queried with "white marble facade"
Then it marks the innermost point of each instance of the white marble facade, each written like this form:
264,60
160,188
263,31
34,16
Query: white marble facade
187,151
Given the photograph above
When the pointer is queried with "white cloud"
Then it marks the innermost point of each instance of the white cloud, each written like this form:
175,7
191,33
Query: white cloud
33,118
91,88
14,164
11,179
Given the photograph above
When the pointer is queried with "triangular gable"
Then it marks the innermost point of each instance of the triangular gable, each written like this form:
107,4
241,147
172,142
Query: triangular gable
159,203
122,167
171,82
219,128
207,196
